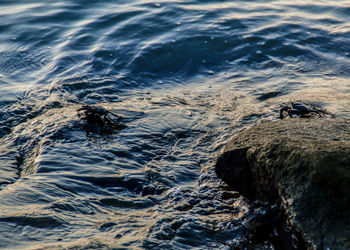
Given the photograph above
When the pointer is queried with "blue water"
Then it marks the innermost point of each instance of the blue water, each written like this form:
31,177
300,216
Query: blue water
185,76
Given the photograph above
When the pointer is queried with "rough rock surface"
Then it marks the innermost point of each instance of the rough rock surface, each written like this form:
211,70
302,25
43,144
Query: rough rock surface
304,166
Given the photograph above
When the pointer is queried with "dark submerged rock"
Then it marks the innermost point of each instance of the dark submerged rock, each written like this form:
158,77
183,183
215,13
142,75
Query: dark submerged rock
304,166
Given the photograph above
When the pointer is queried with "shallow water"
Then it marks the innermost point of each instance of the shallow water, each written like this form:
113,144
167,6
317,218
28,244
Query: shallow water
185,76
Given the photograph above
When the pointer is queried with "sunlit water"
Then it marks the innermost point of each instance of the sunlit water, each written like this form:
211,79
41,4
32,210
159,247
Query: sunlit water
185,75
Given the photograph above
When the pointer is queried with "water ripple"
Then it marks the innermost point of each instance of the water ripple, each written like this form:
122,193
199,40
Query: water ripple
185,76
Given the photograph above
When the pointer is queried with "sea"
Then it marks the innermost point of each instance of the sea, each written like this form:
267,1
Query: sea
185,76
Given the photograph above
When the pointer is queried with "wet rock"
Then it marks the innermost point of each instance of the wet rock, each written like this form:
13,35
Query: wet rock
266,227
304,166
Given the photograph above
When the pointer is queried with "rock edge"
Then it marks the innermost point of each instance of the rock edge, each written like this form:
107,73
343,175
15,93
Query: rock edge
301,164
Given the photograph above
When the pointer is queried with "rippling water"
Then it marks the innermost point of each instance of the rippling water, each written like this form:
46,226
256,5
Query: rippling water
185,75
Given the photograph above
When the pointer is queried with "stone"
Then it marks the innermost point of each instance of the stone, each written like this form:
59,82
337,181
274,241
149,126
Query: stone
301,164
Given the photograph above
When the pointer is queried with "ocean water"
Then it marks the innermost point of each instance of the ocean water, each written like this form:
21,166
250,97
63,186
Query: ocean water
185,76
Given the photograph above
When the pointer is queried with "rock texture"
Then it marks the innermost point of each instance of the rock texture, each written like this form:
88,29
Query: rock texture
304,166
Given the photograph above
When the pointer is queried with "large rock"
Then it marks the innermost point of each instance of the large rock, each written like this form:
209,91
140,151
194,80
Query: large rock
303,165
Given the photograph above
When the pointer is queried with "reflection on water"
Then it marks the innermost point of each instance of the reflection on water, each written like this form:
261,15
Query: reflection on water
185,76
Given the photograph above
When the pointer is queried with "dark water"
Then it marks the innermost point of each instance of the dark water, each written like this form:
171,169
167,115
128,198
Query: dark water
185,75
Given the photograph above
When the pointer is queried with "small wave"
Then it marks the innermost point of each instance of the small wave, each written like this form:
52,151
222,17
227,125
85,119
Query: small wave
40,221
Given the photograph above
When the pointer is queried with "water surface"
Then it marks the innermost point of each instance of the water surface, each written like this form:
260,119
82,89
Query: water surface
185,75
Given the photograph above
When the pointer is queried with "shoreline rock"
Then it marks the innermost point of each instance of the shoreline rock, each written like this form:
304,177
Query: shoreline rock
304,166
